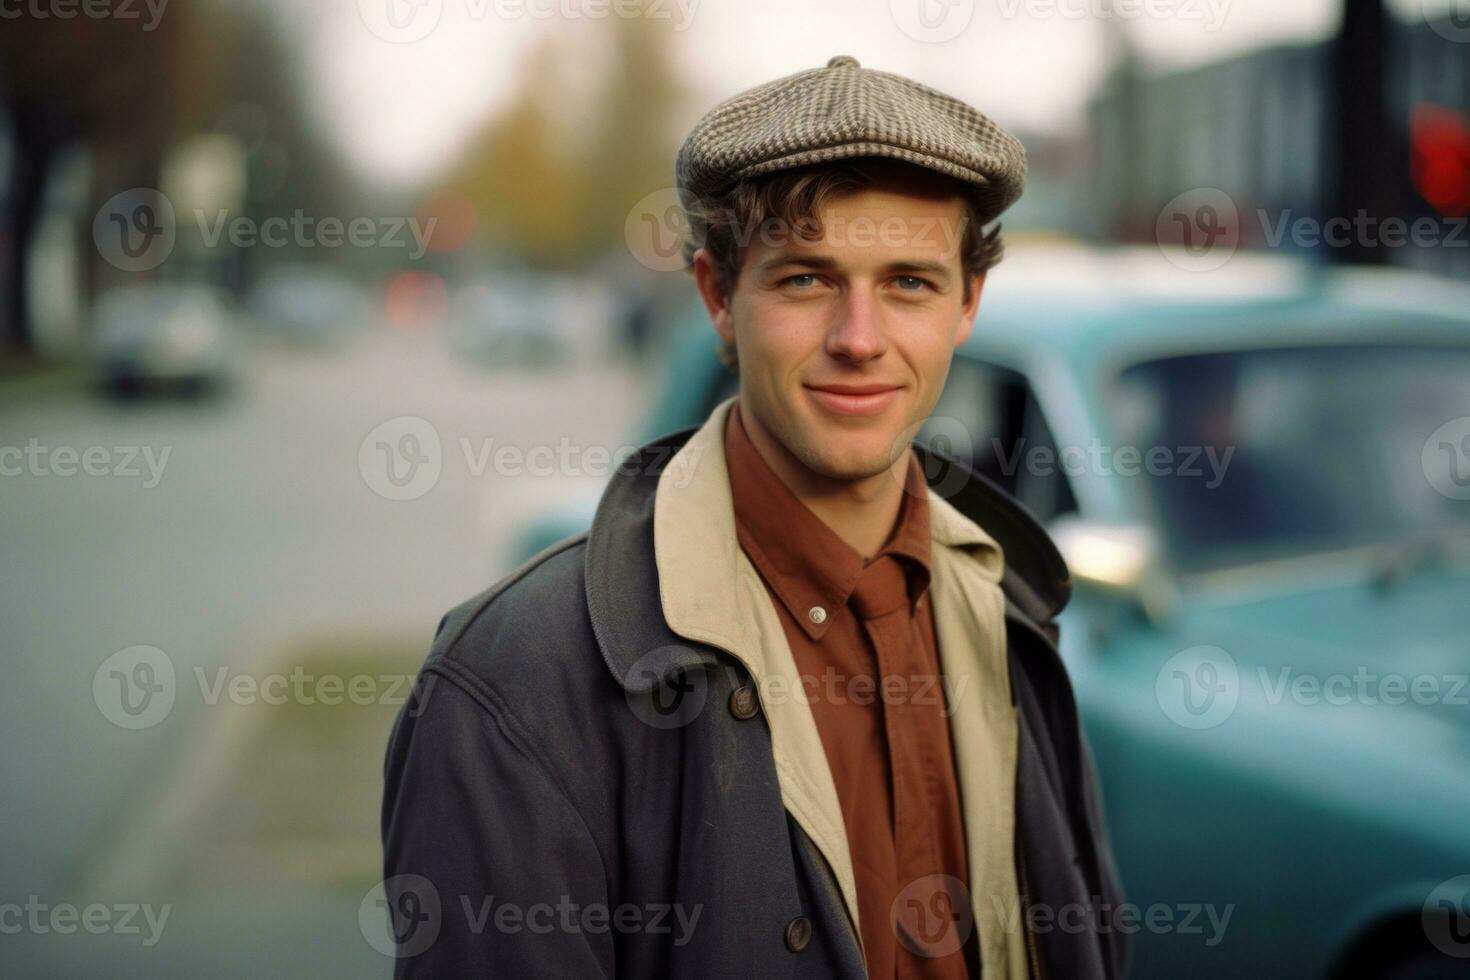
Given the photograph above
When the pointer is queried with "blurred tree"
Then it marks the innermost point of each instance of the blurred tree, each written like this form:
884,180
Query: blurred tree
260,69
123,84
516,176
632,153
561,206
127,87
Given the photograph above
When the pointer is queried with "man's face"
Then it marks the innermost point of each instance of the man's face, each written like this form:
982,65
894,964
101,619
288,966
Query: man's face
844,342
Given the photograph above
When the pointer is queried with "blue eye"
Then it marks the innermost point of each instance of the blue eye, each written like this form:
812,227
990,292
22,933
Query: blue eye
791,280
917,283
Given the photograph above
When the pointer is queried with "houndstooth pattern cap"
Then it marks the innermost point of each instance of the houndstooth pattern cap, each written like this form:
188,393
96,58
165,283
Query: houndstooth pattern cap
843,110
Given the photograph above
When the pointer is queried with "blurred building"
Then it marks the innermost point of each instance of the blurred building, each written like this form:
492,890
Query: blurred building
1260,128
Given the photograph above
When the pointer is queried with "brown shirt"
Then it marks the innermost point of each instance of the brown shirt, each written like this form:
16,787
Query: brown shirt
861,632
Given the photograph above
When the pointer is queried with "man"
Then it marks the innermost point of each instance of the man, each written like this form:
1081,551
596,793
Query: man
787,709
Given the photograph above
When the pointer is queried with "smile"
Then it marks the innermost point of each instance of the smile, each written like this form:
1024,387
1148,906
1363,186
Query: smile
869,399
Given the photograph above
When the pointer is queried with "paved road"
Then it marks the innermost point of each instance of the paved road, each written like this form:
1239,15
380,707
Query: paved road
254,534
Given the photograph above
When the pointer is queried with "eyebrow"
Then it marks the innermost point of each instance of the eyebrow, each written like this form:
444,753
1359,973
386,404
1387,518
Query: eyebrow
936,269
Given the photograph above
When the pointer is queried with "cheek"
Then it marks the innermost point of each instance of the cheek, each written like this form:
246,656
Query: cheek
779,343
930,352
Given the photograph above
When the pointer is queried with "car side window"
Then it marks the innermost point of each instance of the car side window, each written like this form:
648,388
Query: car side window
1045,491
989,418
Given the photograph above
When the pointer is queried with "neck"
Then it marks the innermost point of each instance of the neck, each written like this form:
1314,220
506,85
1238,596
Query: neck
861,511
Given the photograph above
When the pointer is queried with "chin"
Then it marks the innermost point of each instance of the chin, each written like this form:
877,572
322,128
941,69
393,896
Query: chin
851,456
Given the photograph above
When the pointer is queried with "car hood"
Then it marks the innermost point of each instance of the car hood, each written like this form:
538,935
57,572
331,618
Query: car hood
1414,630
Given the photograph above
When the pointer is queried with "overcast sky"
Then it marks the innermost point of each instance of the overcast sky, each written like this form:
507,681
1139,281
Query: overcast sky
403,83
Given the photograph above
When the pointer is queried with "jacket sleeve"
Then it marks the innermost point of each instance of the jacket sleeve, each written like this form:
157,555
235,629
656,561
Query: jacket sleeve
1119,940
489,869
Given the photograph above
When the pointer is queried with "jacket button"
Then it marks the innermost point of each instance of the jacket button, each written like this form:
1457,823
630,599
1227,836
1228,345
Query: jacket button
743,704
798,933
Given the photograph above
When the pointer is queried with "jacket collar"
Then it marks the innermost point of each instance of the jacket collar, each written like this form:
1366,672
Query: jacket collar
668,509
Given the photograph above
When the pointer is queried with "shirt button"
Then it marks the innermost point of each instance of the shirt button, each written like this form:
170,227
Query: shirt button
798,933
743,703
817,615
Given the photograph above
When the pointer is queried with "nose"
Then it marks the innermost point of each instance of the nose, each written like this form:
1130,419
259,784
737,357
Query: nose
857,335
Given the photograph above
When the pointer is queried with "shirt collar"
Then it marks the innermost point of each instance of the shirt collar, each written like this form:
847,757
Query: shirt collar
805,563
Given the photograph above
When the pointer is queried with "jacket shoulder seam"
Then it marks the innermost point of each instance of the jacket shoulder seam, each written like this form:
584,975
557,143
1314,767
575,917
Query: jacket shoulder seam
482,602
498,713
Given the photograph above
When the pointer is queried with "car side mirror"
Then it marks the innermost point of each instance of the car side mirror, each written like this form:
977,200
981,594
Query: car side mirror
1118,562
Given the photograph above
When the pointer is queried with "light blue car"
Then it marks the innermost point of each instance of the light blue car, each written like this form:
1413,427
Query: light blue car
1260,477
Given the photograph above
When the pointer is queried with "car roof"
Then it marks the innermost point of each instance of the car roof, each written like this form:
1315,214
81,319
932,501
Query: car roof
1136,302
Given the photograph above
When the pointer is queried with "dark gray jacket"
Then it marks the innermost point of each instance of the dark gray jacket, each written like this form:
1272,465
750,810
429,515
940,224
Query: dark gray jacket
535,824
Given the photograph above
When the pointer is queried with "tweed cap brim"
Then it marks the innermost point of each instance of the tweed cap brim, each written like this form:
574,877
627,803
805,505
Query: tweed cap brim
842,111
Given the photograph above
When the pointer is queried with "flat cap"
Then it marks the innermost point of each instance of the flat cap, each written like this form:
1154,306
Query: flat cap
843,110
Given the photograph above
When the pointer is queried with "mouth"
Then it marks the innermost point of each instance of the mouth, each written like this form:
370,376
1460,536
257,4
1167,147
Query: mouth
853,399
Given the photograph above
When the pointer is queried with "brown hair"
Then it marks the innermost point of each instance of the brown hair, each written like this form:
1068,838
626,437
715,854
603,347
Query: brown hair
791,199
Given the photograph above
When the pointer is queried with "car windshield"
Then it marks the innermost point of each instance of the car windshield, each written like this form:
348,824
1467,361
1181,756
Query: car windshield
1265,454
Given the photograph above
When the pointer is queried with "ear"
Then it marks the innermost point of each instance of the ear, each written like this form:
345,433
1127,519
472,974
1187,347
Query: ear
967,312
715,301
